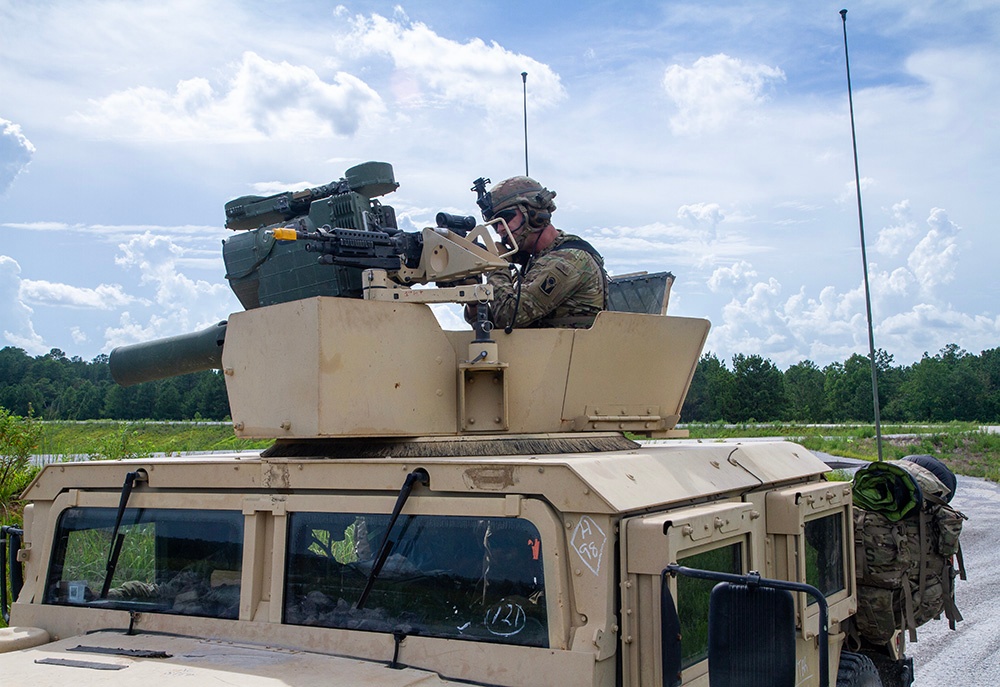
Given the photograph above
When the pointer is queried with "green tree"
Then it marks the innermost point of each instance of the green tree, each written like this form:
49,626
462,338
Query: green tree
208,398
168,402
89,401
18,438
712,393
804,392
760,389
989,369
14,364
848,387
951,385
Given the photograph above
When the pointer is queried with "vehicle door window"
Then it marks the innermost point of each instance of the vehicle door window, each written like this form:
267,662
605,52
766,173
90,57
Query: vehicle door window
693,598
460,577
186,562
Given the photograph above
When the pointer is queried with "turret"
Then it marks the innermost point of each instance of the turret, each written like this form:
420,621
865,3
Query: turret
338,342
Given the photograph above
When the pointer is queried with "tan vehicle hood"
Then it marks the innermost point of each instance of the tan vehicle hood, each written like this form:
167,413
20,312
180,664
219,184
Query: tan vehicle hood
152,660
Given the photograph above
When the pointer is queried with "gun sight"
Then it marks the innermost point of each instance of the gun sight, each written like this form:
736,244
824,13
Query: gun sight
460,224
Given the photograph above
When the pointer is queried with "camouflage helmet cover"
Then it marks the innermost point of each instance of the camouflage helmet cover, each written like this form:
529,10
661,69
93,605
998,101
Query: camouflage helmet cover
526,193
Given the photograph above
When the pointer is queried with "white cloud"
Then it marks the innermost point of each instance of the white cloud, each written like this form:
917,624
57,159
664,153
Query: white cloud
103,297
187,234
17,328
433,70
263,100
270,188
754,325
899,282
715,91
130,332
15,153
156,259
934,260
787,330
736,277
849,194
891,240
701,214
833,325
927,328
181,304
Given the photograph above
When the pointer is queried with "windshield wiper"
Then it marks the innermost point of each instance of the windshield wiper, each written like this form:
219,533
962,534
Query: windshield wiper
385,548
118,539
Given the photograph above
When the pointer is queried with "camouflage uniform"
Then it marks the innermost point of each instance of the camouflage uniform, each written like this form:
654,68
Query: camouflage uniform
562,288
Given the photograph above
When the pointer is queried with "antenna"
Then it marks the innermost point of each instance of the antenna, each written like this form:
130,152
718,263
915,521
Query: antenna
524,81
864,253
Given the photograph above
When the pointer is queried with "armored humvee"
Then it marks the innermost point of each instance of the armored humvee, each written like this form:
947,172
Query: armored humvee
438,507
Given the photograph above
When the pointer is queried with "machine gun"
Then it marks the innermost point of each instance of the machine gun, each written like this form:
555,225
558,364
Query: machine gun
394,260
332,240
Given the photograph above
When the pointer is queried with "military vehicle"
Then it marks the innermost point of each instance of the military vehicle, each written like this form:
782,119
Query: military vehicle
438,507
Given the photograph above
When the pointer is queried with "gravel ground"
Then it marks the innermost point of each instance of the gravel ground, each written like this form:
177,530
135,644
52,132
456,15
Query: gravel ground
969,656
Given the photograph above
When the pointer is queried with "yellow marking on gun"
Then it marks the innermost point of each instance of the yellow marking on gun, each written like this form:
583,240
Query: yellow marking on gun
285,234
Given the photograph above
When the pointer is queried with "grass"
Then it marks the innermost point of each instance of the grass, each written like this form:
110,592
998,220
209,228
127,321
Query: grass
74,438
719,430
962,446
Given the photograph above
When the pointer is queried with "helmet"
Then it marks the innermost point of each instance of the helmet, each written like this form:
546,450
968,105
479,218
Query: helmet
533,199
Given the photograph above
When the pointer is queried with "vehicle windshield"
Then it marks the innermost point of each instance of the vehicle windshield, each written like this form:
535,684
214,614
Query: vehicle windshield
186,562
458,577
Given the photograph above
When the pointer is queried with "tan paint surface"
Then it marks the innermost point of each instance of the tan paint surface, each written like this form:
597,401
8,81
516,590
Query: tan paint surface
339,367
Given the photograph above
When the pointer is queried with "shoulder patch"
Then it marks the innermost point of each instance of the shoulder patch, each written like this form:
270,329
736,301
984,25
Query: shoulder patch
549,285
565,266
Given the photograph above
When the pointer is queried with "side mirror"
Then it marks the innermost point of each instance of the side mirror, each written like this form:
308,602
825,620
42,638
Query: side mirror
751,636
751,630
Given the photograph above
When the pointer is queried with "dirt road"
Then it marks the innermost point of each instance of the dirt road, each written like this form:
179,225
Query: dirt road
970,656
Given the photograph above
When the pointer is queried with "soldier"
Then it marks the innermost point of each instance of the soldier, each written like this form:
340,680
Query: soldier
562,282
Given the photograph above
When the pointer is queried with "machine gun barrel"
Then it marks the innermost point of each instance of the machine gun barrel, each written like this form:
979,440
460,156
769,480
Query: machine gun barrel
168,357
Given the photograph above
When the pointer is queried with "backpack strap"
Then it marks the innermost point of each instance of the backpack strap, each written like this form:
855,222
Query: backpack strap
580,244
950,607
951,611
923,543
909,619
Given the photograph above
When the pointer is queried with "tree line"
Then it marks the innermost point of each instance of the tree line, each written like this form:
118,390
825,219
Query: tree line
54,387
951,385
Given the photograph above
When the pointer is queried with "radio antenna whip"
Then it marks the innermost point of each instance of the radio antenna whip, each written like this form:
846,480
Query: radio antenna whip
524,82
864,253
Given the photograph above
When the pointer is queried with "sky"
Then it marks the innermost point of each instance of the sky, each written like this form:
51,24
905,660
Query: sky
712,140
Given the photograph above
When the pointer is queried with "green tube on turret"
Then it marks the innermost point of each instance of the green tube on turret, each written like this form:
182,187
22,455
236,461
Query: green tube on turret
168,357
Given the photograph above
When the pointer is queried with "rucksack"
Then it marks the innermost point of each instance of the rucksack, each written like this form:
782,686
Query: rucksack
907,549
